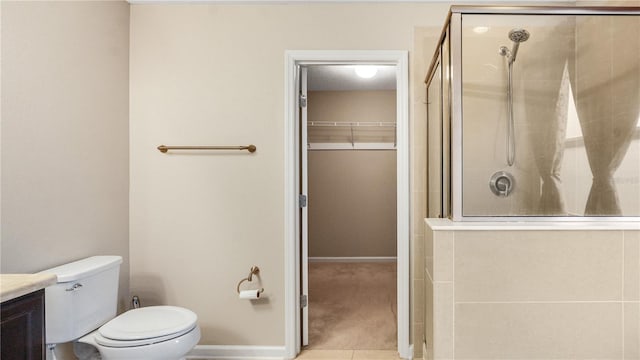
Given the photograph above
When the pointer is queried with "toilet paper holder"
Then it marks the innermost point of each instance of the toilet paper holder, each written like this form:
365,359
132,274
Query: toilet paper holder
254,271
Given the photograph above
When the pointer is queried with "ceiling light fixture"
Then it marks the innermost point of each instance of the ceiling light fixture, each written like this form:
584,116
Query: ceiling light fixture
366,71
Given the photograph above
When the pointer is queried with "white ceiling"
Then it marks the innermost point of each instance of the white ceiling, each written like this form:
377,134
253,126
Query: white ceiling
344,78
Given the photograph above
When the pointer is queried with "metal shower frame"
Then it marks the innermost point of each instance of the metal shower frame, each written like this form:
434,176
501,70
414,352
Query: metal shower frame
451,201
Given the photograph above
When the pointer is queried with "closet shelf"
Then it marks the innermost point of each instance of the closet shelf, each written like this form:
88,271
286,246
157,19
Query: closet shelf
322,146
354,135
351,124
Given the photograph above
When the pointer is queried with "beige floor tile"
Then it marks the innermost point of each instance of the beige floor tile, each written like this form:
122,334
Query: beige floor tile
375,355
326,354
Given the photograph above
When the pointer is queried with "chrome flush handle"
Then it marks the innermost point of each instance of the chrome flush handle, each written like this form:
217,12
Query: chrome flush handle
75,287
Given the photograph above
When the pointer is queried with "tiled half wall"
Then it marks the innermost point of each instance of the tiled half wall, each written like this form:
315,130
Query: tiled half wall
531,293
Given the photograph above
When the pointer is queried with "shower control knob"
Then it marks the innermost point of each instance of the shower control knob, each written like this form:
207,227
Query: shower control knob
501,183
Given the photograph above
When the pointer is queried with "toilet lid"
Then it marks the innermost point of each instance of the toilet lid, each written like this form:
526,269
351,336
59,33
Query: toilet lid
149,323
135,343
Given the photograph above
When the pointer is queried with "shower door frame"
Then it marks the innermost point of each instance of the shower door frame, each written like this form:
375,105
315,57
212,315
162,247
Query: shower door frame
454,25
292,272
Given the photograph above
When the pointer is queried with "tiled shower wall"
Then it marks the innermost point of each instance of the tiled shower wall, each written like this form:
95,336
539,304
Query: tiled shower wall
535,294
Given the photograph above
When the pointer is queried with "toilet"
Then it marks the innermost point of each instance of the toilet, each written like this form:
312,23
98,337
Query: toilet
82,307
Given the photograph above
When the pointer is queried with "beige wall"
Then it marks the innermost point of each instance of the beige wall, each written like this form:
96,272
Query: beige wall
64,134
352,193
352,203
213,74
544,294
351,106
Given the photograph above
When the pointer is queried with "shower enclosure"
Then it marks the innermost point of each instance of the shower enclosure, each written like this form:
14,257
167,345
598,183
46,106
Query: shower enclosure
553,135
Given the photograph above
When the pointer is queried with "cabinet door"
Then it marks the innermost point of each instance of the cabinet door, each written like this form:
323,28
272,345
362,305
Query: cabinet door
22,328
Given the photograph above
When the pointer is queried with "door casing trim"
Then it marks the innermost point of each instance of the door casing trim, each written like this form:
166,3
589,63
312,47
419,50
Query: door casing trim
294,58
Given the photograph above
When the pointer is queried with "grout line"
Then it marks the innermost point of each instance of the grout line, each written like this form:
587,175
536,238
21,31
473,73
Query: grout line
453,290
623,326
623,293
623,264
548,302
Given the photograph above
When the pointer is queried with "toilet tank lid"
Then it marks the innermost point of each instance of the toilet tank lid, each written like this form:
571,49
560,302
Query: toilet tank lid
82,268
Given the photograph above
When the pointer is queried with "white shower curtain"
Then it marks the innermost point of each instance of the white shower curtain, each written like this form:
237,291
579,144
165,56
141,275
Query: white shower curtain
599,56
546,89
607,100
549,157
547,124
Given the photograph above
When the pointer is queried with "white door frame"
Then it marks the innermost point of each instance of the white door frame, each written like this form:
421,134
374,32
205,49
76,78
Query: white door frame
291,182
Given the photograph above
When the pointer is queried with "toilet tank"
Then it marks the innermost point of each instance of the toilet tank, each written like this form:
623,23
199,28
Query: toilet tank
84,298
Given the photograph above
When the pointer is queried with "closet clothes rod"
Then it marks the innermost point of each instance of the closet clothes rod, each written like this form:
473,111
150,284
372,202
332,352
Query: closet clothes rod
165,148
351,124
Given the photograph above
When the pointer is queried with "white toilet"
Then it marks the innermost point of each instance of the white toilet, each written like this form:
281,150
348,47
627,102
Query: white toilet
82,307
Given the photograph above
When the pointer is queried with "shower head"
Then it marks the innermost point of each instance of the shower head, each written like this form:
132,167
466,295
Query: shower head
517,36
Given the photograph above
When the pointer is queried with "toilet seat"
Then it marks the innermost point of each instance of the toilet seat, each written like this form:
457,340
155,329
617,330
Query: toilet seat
145,326
132,343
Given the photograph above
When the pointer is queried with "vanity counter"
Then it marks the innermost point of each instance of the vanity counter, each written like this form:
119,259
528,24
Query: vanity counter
15,285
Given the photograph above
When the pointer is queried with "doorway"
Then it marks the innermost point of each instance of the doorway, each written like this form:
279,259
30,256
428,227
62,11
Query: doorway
296,131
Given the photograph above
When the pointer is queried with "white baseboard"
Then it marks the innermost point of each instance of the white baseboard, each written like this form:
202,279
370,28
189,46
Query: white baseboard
237,352
411,354
353,259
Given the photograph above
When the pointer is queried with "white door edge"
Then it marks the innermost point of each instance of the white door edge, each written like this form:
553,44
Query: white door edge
304,254
294,58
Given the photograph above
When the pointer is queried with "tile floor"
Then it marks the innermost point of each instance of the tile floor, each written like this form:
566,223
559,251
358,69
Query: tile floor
349,355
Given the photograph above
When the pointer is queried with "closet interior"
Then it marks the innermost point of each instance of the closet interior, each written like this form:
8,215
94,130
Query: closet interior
351,132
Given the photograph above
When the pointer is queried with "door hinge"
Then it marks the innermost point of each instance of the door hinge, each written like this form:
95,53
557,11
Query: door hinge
303,301
303,100
302,200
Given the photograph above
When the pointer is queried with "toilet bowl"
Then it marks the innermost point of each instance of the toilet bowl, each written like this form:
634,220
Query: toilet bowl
81,308
148,333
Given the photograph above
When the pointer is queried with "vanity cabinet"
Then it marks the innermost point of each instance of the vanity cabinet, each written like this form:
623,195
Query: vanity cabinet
22,327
